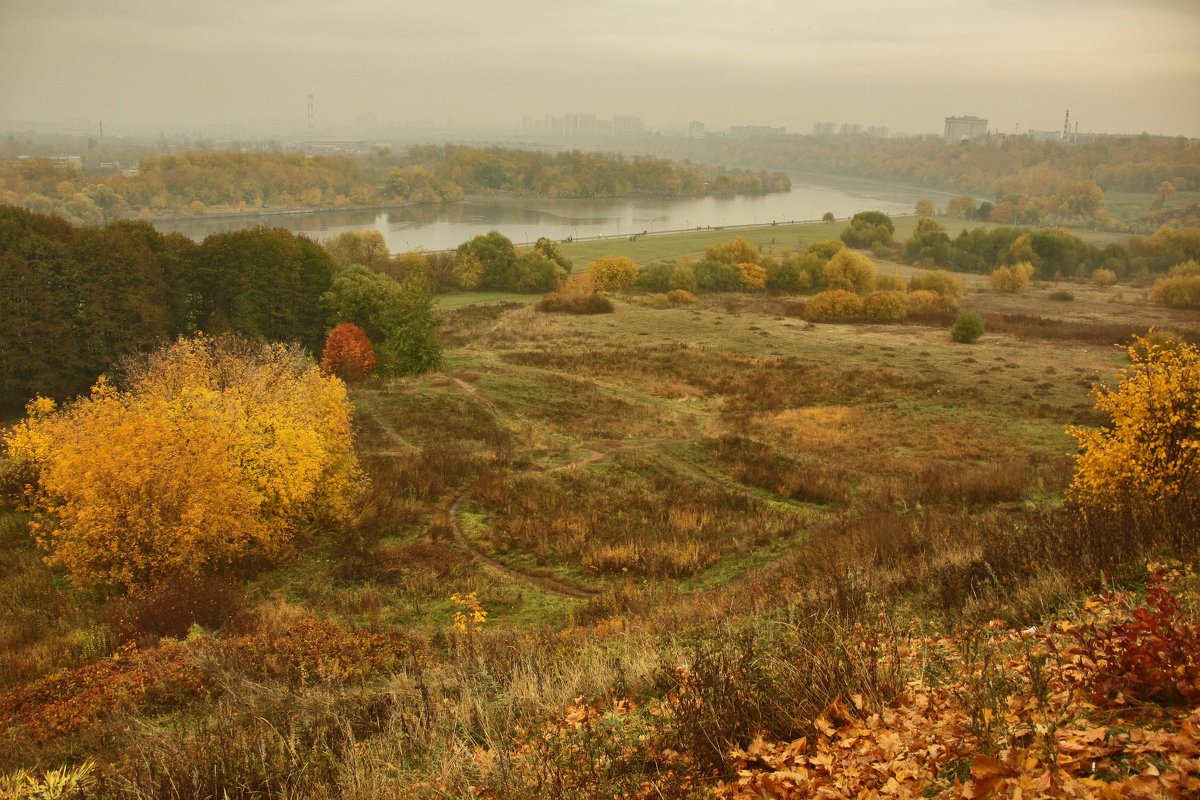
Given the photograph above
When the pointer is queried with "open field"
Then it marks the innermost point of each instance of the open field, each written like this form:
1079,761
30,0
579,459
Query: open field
644,249
717,501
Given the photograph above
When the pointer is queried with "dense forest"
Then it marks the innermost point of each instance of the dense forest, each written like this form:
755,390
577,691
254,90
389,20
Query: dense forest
74,300
200,181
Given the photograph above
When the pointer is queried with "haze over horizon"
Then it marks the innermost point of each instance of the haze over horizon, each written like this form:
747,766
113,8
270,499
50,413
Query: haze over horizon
1120,66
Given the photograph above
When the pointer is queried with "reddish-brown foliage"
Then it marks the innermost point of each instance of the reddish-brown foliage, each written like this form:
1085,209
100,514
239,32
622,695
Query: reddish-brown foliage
1152,655
305,652
348,353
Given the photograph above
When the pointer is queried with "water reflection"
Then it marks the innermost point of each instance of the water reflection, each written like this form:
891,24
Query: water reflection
437,227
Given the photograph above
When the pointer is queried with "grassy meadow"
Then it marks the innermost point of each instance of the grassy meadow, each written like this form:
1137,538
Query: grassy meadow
688,527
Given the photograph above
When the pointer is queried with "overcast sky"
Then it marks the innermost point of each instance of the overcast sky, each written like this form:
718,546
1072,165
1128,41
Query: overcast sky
1118,65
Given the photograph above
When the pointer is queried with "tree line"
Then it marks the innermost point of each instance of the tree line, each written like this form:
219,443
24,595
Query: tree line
199,181
73,300
1043,182
578,174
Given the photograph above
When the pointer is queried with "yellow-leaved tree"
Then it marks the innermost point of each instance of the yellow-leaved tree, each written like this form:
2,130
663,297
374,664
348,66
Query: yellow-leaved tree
1147,459
211,450
613,273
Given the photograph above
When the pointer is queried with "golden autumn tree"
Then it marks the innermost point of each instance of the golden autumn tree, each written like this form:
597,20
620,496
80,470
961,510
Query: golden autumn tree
754,276
1148,458
213,449
612,273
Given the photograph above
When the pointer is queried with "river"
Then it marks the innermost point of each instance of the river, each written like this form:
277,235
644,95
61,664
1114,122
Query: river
440,227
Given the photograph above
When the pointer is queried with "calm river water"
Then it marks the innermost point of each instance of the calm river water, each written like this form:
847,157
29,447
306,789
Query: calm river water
525,219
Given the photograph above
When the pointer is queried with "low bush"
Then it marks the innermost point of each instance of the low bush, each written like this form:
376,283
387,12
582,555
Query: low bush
562,302
682,277
681,297
654,299
890,283
656,277
1104,277
850,271
1012,279
939,282
1149,657
793,273
837,305
968,328
714,276
613,273
926,303
1177,291
753,276
172,607
1061,296
887,306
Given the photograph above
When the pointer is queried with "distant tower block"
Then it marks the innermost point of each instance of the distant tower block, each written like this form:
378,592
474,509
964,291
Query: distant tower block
960,128
310,111
1067,125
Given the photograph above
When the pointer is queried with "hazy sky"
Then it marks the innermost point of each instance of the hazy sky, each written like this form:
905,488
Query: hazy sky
1118,65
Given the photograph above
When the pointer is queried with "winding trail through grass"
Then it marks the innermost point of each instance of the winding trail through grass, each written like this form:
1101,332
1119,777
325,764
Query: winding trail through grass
589,453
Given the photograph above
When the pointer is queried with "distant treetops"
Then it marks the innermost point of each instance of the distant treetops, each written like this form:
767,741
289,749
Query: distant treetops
198,181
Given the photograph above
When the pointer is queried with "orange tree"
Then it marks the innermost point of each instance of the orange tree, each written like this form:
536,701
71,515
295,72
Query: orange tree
211,451
1145,459
348,353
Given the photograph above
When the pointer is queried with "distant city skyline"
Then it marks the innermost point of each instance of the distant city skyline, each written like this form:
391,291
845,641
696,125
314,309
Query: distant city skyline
1121,66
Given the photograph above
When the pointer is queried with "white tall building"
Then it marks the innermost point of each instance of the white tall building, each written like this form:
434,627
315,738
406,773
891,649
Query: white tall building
959,128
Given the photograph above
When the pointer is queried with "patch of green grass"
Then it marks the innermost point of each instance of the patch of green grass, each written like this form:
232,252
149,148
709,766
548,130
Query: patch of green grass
460,299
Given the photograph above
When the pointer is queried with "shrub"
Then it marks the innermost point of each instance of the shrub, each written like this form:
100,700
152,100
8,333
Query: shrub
1186,269
1178,291
498,257
1012,279
1061,296
736,251
825,249
577,296
850,271
1149,657
967,328
792,274
1146,457
594,303
753,276
681,297
683,277
925,302
885,307
170,608
833,306
468,271
613,273
939,281
1104,277
869,228
551,250
655,299
716,276
534,272
238,443
656,277
890,283
348,353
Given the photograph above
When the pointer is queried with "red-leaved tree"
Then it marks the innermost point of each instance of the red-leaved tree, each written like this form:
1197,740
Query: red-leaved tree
348,353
